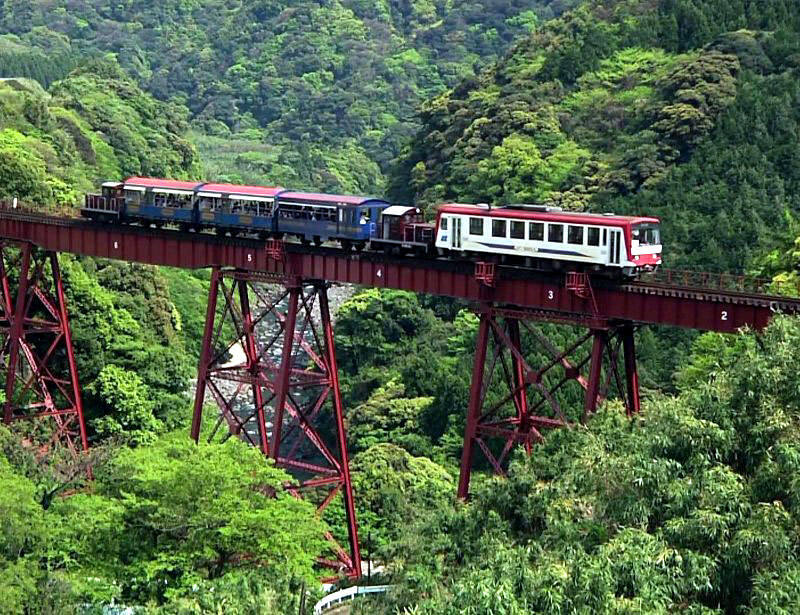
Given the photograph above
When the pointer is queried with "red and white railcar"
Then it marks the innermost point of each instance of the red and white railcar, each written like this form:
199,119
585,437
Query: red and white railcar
549,237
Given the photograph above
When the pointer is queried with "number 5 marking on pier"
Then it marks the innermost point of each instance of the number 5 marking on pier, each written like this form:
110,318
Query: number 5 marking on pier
249,258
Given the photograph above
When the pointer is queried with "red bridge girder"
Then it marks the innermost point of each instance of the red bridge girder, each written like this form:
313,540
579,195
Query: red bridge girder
284,384
512,403
41,374
650,303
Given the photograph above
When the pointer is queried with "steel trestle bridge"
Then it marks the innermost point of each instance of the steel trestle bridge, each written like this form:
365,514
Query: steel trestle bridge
291,379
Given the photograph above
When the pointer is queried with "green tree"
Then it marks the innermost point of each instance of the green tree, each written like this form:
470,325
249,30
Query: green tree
124,407
193,514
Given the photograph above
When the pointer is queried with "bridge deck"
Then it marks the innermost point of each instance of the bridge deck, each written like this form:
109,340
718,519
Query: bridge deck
671,302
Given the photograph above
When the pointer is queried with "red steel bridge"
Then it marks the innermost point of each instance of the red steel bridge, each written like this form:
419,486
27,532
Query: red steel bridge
290,380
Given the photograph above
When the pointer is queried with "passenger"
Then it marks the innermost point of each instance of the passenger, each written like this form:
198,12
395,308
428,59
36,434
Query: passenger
363,219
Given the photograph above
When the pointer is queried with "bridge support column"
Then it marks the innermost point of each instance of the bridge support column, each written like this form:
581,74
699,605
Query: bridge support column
41,373
269,363
512,403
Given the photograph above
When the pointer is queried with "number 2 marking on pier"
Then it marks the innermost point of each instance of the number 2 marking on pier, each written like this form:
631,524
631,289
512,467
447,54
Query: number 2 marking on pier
724,315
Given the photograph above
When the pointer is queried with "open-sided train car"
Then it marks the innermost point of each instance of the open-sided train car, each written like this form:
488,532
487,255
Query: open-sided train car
229,208
319,217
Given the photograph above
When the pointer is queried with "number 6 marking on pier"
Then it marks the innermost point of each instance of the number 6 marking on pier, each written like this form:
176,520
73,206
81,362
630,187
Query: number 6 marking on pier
116,245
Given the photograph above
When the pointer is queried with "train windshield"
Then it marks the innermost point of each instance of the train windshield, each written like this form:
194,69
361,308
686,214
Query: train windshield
647,234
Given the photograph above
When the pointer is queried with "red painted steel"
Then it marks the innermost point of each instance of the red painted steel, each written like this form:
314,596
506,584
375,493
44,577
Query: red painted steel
634,405
711,308
282,385
509,299
524,401
41,374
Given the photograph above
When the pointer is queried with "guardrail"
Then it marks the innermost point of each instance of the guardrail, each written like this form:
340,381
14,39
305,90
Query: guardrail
345,595
721,281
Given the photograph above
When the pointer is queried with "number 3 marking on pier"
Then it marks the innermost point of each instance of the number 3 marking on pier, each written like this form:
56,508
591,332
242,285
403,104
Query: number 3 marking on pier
550,295
724,315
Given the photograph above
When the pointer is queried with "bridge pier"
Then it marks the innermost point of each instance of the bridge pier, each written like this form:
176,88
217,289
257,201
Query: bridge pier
268,361
512,403
41,374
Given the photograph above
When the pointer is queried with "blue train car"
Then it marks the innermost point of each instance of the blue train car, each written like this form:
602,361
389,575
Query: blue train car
159,200
232,207
352,220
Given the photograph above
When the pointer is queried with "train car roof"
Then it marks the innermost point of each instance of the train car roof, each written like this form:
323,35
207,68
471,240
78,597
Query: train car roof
544,216
400,210
335,199
164,184
234,189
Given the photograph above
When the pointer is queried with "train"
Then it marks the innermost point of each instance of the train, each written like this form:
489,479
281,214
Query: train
528,235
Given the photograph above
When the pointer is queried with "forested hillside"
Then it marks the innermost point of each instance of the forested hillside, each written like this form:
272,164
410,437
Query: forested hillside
683,109
56,145
314,94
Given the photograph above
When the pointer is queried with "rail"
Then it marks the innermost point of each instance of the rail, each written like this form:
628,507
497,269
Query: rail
729,282
346,595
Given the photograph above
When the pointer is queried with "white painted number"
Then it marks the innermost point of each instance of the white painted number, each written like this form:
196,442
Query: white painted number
249,258
550,295
724,315
116,245
380,273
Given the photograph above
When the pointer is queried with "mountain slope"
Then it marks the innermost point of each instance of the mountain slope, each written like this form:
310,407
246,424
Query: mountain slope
330,87
677,108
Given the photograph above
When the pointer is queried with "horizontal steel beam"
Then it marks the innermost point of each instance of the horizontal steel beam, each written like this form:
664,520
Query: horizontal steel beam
543,296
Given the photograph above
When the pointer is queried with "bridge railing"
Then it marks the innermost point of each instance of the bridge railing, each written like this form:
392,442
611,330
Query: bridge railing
345,595
722,281
58,211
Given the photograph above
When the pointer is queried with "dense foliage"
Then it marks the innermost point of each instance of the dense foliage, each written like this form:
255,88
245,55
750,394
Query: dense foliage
95,124
315,94
686,110
172,525
692,507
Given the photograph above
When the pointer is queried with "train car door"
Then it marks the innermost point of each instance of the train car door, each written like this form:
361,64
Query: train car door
456,235
615,240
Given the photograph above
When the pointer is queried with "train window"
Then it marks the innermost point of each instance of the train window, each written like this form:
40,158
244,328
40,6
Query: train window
555,233
476,226
536,231
575,235
647,234
499,228
517,230
605,237
444,223
593,236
